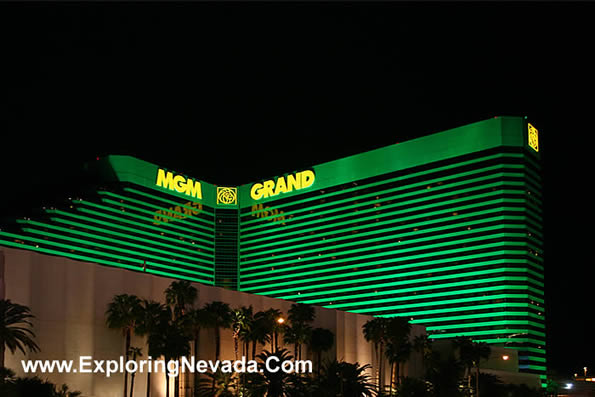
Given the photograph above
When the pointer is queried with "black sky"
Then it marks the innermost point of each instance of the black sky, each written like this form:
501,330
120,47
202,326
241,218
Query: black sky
234,92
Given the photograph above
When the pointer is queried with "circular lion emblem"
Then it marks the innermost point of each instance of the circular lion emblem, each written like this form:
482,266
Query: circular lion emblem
226,195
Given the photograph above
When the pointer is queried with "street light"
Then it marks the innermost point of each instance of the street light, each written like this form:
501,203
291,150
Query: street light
280,321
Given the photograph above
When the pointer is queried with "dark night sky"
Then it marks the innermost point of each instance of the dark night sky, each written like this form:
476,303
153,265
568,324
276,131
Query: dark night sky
234,92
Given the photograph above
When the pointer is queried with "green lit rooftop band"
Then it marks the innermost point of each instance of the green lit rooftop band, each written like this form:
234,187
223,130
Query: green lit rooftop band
445,230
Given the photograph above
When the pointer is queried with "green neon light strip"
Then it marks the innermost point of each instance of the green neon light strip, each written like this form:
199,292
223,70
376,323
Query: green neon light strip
127,236
425,193
188,220
95,252
501,184
485,324
399,267
167,201
94,259
439,303
417,288
445,310
116,249
399,244
152,213
425,296
380,270
146,226
475,316
111,240
486,332
503,219
405,177
148,221
132,230
447,212
394,283
391,222
410,257
420,264
504,342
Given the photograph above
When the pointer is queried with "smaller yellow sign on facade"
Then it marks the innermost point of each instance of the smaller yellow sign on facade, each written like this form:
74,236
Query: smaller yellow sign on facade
227,195
533,138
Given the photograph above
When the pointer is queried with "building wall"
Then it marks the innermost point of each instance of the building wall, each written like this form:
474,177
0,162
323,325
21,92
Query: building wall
69,299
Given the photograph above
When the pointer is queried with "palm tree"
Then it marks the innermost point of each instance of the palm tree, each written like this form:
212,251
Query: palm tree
345,380
398,346
259,332
180,295
134,352
218,384
276,382
218,315
195,320
321,340
169,340
15,329
375,332
471,353
147,324
300,317
123,313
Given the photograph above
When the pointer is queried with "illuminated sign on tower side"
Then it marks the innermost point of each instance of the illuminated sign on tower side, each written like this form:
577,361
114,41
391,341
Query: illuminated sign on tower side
178,183
269,188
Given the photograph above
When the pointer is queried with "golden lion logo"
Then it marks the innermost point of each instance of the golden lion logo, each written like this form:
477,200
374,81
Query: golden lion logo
227,195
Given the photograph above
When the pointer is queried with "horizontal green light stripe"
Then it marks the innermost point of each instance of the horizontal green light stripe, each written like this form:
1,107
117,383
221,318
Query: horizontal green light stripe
188,220
486,332
428,263
382,285
85,258
130,222
164,200
505,187
502,202
113,248
128,229
474,316
427,194
400,243
437,303
391,222
425,296
112,240
191,229
133,237
538,359
380,254
405,177
99,253
458,309
368,272
358,288
122,216
394,268
484,324
504,341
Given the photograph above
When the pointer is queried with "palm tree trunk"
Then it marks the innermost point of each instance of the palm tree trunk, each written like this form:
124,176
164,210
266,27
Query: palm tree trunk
177,385
319,354
392,371
381,376
253,349
131,384
477,381
148,384
196,373
217,343
128,331
2,350
166,384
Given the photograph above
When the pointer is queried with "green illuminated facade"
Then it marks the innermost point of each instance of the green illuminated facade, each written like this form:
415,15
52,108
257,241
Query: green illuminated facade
445,230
